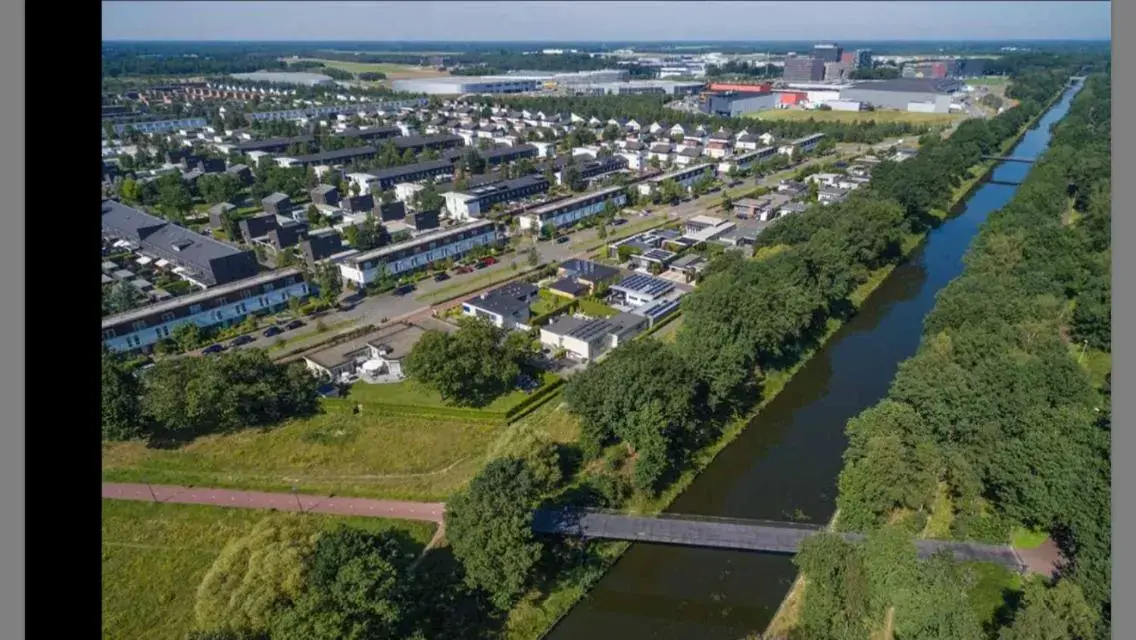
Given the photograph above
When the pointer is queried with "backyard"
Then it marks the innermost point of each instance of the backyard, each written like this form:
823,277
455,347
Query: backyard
155,555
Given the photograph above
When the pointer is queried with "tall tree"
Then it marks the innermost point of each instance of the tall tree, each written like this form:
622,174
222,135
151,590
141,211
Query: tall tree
489,526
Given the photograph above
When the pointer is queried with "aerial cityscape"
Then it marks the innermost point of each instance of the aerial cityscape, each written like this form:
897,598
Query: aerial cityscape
766,320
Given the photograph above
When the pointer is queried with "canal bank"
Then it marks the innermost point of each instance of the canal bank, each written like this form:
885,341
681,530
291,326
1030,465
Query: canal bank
785,466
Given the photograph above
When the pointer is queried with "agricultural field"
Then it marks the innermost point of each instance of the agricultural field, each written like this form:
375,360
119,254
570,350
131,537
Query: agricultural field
800,115
392,71
155,555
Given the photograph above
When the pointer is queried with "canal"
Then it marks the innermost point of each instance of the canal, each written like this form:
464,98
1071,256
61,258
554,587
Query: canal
785,464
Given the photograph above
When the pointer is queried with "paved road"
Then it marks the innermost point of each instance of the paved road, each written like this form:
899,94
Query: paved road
734,534
423,511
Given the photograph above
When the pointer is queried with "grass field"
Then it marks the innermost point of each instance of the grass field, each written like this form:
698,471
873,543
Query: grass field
379,452
154,556
992,586
794,115
392,71
989,81
479,281
1026,539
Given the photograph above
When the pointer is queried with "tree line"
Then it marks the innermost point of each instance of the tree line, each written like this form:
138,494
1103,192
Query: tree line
995,411
750,317
182,398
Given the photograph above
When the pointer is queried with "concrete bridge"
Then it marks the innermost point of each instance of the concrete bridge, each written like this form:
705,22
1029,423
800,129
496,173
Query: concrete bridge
1010,159
735,534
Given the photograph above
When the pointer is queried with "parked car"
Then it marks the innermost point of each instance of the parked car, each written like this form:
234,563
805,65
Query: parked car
489,260
562,239
295,324
404,289
440,277
480,265
465,269
239,340
272,331
211,349
618,221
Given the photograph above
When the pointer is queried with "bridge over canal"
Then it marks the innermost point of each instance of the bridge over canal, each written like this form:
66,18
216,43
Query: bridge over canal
735,534
1010,159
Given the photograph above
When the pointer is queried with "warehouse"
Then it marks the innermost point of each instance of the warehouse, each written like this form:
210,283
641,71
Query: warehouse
932,95
643,87
286,77
733,103
456,86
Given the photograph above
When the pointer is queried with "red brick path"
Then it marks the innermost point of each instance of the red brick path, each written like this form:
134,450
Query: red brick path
425,511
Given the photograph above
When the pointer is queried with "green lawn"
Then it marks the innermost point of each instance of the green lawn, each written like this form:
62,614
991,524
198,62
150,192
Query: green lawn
546,302
392,71
477,282
887,117
405,443
154,556
596,309
1025,539
988,81
993,583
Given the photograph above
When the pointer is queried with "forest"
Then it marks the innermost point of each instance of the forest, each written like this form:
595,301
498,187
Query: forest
995,424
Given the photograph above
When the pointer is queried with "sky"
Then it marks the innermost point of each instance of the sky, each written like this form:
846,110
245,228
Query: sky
595,21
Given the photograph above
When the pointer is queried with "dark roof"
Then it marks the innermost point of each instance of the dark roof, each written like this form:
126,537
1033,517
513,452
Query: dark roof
339,155
237,168
506,300
569,286
407,142
176,244
394,172
588,270
373,132
257,145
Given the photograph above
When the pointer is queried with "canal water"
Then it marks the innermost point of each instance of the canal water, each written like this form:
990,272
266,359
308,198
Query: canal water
785,464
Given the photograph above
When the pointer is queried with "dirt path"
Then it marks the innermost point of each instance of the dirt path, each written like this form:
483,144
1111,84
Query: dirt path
364,507
1043,560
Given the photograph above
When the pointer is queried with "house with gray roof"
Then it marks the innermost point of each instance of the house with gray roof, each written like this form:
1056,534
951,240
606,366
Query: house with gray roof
506,307
588,339
199,259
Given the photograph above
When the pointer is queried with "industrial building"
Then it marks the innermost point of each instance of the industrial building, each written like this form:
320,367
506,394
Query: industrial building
641,87
803,69
733,104
461,85
286,77
365,268
566,212
931,69
928,95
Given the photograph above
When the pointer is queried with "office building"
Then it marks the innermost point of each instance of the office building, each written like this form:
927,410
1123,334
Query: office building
827,52
803,69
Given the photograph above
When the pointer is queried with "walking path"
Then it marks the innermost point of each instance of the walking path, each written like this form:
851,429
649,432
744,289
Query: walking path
365,507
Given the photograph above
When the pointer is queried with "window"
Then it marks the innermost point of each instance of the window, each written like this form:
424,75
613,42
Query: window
269,286
108,334
139,325
194,309
218,315
168,316
222,301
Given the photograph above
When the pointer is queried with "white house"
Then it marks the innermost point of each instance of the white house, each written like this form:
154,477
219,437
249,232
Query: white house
587,339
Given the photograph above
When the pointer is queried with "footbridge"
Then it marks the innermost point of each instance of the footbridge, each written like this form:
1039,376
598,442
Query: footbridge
1010,159
735,534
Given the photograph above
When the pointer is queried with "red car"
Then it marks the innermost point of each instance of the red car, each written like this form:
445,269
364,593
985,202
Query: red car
488,260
